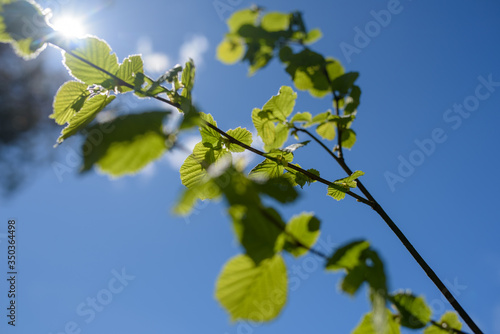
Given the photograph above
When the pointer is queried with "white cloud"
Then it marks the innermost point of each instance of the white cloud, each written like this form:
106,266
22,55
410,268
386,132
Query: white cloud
194,48
154,62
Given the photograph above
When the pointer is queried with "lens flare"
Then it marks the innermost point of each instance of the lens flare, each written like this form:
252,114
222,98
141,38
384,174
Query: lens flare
70,27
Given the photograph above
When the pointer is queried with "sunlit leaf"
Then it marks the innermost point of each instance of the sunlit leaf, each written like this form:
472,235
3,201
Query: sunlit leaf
340,187
306,229
242,135
448,321
128,70
97,52
367,326
347,257
281,105
263,123
302,117
275,21
69,100
348,138
242,17
126,144
253,292
86,114
414,312
326,130
343,83
209,135
230,50
313,36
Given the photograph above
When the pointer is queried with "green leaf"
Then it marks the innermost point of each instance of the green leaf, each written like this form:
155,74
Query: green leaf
187,78
326,130
367,326
348,138
275,21
194,168
128,70
312,36
97,52
448,321
414,312
242,17
306,229
87,113
279,188
299,179
354,101
241,134
253,292
127,144
307,69
264,125
348,256
230,50
257,229
280,137
267,169
340,187
343,83
209,135
69,100
320,118
302,117
281,105
334,68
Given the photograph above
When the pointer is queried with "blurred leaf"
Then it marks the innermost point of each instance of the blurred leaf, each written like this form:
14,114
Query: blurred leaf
334,68
257,229
414,312
242,135
253,292
230,50
354,101
348,256
306,229
366,326
307,69
127,145
242,17
97,52
275,21
448,321
326,130
279,188
128,71
345,82
313,36
348,138
69,99
86,114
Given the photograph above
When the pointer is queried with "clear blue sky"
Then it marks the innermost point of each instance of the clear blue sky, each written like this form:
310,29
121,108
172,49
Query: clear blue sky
74,233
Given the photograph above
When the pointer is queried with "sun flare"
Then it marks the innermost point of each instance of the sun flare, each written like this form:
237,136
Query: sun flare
70,27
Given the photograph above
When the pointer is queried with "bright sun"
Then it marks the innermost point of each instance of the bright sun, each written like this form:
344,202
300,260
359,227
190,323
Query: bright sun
69,26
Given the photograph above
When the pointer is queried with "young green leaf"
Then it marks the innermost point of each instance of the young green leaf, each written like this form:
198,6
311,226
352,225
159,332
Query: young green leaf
326,130
302,117
275,21
230,50
280,137
252,292
347,257
187,78
367,325
127,144
281,105
448,321
340,187
344,83
313,36
97,52
414,312
87,113
128,71
306,229
241,18
263,122
209,135
348,138
242,135
69,100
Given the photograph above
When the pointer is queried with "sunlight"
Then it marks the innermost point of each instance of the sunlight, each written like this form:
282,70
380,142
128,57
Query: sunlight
69,26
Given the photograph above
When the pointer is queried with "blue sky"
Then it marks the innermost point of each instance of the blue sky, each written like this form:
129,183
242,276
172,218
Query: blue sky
85,236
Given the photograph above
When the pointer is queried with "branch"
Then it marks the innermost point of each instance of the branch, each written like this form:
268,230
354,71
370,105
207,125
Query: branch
406,243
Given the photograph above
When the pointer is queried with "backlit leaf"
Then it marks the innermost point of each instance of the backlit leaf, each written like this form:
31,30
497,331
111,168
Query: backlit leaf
128,70
242,17
69,100
275,21
448,321
367,326
306,229
348,256
242,135
230,50
253,292
414,312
